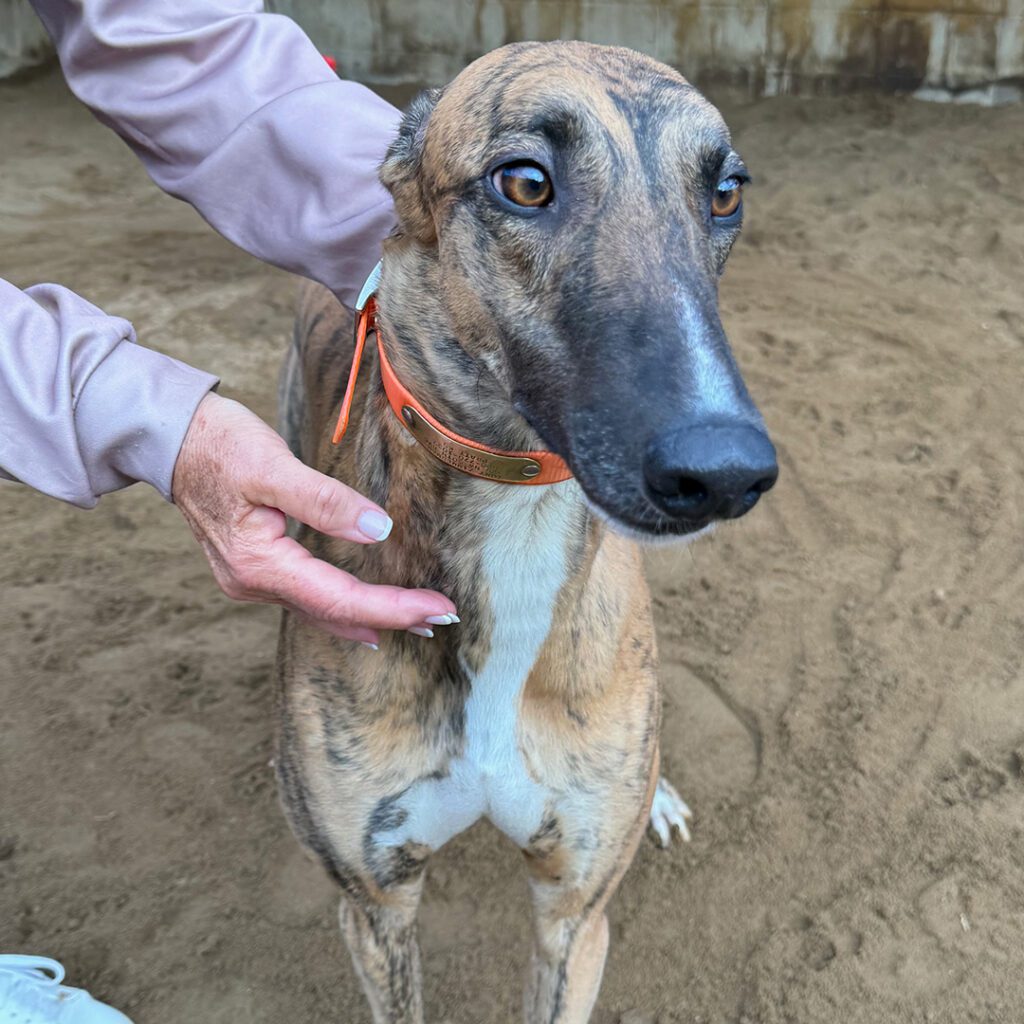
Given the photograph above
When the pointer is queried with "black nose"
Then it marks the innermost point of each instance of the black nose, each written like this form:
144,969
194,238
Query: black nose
710,471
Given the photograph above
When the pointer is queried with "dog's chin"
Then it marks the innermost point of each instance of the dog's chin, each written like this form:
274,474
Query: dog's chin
653,530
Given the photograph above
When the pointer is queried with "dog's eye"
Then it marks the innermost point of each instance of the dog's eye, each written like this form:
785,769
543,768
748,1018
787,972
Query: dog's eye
524,184
727,198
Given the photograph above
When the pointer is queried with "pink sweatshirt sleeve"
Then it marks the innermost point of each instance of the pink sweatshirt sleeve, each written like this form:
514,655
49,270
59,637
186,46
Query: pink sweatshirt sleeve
236,112
84,410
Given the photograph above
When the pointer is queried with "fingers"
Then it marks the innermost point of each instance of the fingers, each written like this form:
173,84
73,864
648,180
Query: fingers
325,504
277,569
366,637
234,481
327,594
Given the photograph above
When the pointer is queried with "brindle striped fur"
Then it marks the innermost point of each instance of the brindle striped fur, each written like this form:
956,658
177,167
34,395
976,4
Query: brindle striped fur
481,318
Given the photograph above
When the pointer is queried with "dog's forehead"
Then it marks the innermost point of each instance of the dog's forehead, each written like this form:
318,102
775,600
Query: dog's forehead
522,88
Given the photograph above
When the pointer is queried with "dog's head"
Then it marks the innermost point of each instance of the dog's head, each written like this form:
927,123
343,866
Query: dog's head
581,202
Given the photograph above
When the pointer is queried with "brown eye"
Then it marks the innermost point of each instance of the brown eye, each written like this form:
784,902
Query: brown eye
727,198
524,184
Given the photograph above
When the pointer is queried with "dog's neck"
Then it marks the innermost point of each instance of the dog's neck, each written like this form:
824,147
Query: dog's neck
444,518
453,368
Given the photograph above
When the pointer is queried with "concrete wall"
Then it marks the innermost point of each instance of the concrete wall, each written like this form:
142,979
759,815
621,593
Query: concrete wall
23,42
766,46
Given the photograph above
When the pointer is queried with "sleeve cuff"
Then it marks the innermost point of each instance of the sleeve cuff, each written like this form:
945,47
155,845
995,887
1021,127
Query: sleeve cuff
132,416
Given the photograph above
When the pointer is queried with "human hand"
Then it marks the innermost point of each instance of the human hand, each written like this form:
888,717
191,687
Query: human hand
235,481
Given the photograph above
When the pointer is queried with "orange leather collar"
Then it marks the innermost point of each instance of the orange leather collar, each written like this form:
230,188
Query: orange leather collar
533,467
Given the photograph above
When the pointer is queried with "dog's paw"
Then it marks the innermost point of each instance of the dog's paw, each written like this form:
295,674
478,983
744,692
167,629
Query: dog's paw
668,812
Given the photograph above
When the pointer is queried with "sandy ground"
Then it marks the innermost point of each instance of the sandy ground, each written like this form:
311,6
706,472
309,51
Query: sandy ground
842,671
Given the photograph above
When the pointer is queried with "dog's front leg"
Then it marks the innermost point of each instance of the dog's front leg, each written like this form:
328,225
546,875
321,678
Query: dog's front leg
566,968
574,871
381,936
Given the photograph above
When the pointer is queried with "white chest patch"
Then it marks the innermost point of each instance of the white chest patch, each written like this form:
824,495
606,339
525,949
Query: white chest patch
524,567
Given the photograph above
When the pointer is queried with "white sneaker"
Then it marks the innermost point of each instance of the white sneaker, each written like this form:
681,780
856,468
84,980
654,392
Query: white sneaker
31,993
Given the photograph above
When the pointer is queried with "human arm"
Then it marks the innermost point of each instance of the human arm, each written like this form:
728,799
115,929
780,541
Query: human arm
84,411
235,111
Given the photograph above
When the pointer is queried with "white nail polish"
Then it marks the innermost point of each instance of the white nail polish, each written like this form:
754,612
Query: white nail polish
374,525
441,620
421,631
373,647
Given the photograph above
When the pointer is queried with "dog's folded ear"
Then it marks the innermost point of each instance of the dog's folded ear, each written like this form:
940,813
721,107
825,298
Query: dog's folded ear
400,172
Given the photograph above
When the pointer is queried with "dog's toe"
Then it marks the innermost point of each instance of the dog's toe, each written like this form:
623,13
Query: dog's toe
668,812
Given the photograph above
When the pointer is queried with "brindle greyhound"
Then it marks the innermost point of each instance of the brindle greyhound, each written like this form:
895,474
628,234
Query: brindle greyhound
565,213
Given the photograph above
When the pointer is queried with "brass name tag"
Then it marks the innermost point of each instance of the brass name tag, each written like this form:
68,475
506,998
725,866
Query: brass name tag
509,468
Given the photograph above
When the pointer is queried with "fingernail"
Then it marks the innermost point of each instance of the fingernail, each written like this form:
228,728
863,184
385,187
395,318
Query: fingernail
373,647
442,620
374,525
421,631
